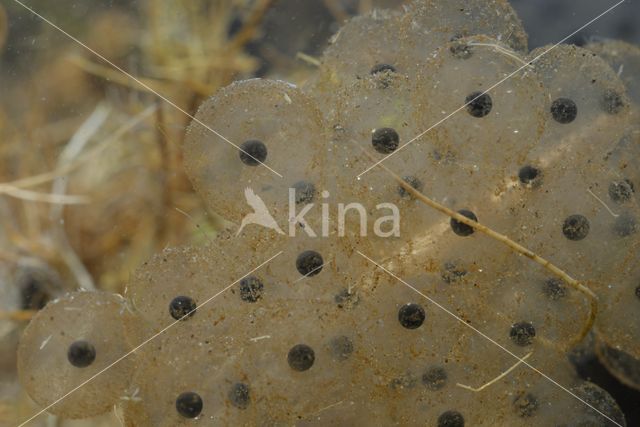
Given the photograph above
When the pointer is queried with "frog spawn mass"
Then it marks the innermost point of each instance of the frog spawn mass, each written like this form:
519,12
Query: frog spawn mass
318,335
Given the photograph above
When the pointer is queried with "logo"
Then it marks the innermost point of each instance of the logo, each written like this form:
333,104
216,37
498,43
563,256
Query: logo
260,216
384,225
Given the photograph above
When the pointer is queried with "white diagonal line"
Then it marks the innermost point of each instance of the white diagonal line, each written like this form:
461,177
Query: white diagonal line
144,85
491,88
309,273
488,338
129,353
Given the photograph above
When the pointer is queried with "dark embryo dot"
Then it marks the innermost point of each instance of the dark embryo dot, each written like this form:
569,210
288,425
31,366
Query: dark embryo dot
621,191
309,263
414,182
452,273
575,227
451,419
564,110
182,306
305,192
34,294
522,333
189,404
411,315
239,395
385,140
434,378
253,152
81,354
460,228
525,405
301,357
554,289
341,347
625,225
612,102
346,299
381,68
251,289
528,174
479,104
460,50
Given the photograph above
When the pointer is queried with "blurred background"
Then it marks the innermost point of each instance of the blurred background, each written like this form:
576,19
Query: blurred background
548,21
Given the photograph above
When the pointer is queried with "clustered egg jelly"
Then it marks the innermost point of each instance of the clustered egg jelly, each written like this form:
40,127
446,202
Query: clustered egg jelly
319,336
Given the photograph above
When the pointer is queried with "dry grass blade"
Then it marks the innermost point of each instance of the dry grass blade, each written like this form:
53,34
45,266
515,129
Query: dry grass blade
18,315
250,29
34,196
309,59
113,76
498,378
336,9
44,178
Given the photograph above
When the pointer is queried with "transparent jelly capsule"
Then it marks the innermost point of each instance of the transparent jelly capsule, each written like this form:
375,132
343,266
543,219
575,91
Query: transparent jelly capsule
621,365
386,41
297,360
587,106
463,18
316,270
386,119
484,134
618,302
526,293
69,342
569,221
265,362
174,284
520,398
398,329
590,202
228,337
374,118
456,163
583,216
278,135
534,399
602,409
409,370
478,274
180,373
620,183
302,268
624,58
366,45
553,395
621,191
201,355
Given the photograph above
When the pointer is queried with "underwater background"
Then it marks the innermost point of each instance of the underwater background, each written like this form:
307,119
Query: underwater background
92,178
